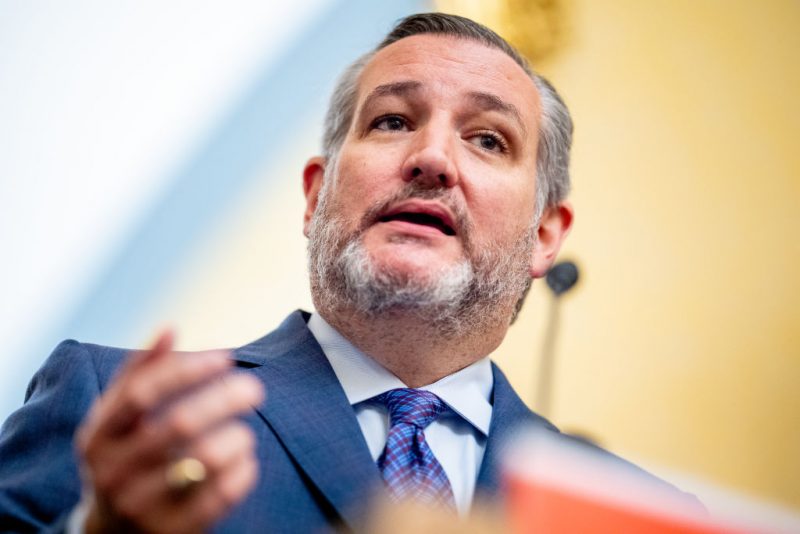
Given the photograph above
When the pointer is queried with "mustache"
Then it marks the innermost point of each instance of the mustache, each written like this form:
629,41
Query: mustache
412,190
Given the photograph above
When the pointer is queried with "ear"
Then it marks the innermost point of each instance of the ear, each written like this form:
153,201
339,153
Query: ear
553,229
313,174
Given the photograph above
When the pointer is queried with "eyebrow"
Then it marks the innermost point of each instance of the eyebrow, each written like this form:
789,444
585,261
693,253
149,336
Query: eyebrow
484,101
392,89
490,102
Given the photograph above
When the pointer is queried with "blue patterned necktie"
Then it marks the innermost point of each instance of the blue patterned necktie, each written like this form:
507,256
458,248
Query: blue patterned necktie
407,463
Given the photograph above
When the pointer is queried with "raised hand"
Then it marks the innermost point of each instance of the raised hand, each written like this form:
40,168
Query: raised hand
162,450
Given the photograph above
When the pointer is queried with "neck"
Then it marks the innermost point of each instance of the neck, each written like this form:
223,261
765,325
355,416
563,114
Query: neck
418,351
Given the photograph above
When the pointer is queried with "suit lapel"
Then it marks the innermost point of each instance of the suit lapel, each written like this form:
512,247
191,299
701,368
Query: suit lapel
509,413
309,412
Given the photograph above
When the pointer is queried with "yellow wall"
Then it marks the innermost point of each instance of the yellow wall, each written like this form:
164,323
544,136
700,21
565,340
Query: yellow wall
682,343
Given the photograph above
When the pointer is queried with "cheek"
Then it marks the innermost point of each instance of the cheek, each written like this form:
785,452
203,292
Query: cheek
500,212
358,170
494,224
367,173
359,186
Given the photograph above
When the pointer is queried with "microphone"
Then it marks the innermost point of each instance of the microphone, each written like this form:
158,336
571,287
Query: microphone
560,278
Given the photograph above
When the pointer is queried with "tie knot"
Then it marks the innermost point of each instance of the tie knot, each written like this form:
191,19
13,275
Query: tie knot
413,406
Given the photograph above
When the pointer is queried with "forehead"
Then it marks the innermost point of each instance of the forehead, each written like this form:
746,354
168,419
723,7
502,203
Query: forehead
452,66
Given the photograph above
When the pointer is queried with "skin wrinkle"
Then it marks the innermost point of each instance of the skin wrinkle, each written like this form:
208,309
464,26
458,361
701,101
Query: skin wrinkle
455,63
517,79
514,139
491,102
400,89
408,91
480,70
483,100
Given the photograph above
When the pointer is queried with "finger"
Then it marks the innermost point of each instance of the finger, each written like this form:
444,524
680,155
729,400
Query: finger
217,498
149,502
161,346
146,388
222,447
205,408
188,418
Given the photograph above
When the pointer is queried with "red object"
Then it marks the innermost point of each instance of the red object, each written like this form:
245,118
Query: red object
541,508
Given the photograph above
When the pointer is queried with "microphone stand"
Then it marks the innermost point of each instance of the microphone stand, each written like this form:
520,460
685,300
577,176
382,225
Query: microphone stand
560,279
547,362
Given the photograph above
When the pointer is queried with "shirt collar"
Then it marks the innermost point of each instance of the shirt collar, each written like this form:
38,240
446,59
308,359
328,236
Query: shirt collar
466,392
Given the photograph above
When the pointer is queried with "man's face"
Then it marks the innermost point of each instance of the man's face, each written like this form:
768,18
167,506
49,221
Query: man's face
438,168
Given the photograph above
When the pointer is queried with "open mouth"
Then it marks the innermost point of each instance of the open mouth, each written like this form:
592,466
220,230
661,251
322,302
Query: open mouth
424,219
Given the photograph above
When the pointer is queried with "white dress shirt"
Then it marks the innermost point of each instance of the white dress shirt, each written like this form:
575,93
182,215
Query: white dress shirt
457,437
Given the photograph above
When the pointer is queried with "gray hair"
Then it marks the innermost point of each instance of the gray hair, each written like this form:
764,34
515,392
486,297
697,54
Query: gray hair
555,128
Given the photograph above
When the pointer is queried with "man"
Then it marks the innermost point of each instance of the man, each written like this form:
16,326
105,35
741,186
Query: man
440,195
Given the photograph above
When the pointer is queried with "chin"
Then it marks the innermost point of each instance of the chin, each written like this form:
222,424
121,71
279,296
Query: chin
412,272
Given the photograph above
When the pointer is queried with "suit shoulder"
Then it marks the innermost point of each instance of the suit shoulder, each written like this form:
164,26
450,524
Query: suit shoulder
39,480
72,360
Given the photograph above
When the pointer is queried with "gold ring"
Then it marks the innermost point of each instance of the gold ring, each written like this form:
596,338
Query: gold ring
184,474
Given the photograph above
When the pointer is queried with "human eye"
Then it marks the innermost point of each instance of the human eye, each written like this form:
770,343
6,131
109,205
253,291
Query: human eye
390,123
490,141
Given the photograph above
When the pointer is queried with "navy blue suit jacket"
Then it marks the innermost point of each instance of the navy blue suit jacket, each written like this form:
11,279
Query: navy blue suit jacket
316,469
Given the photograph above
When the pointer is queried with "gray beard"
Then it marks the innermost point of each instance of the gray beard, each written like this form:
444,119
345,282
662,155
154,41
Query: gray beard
455,300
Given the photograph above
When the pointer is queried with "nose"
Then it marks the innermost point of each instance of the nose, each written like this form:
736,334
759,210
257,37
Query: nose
430,161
